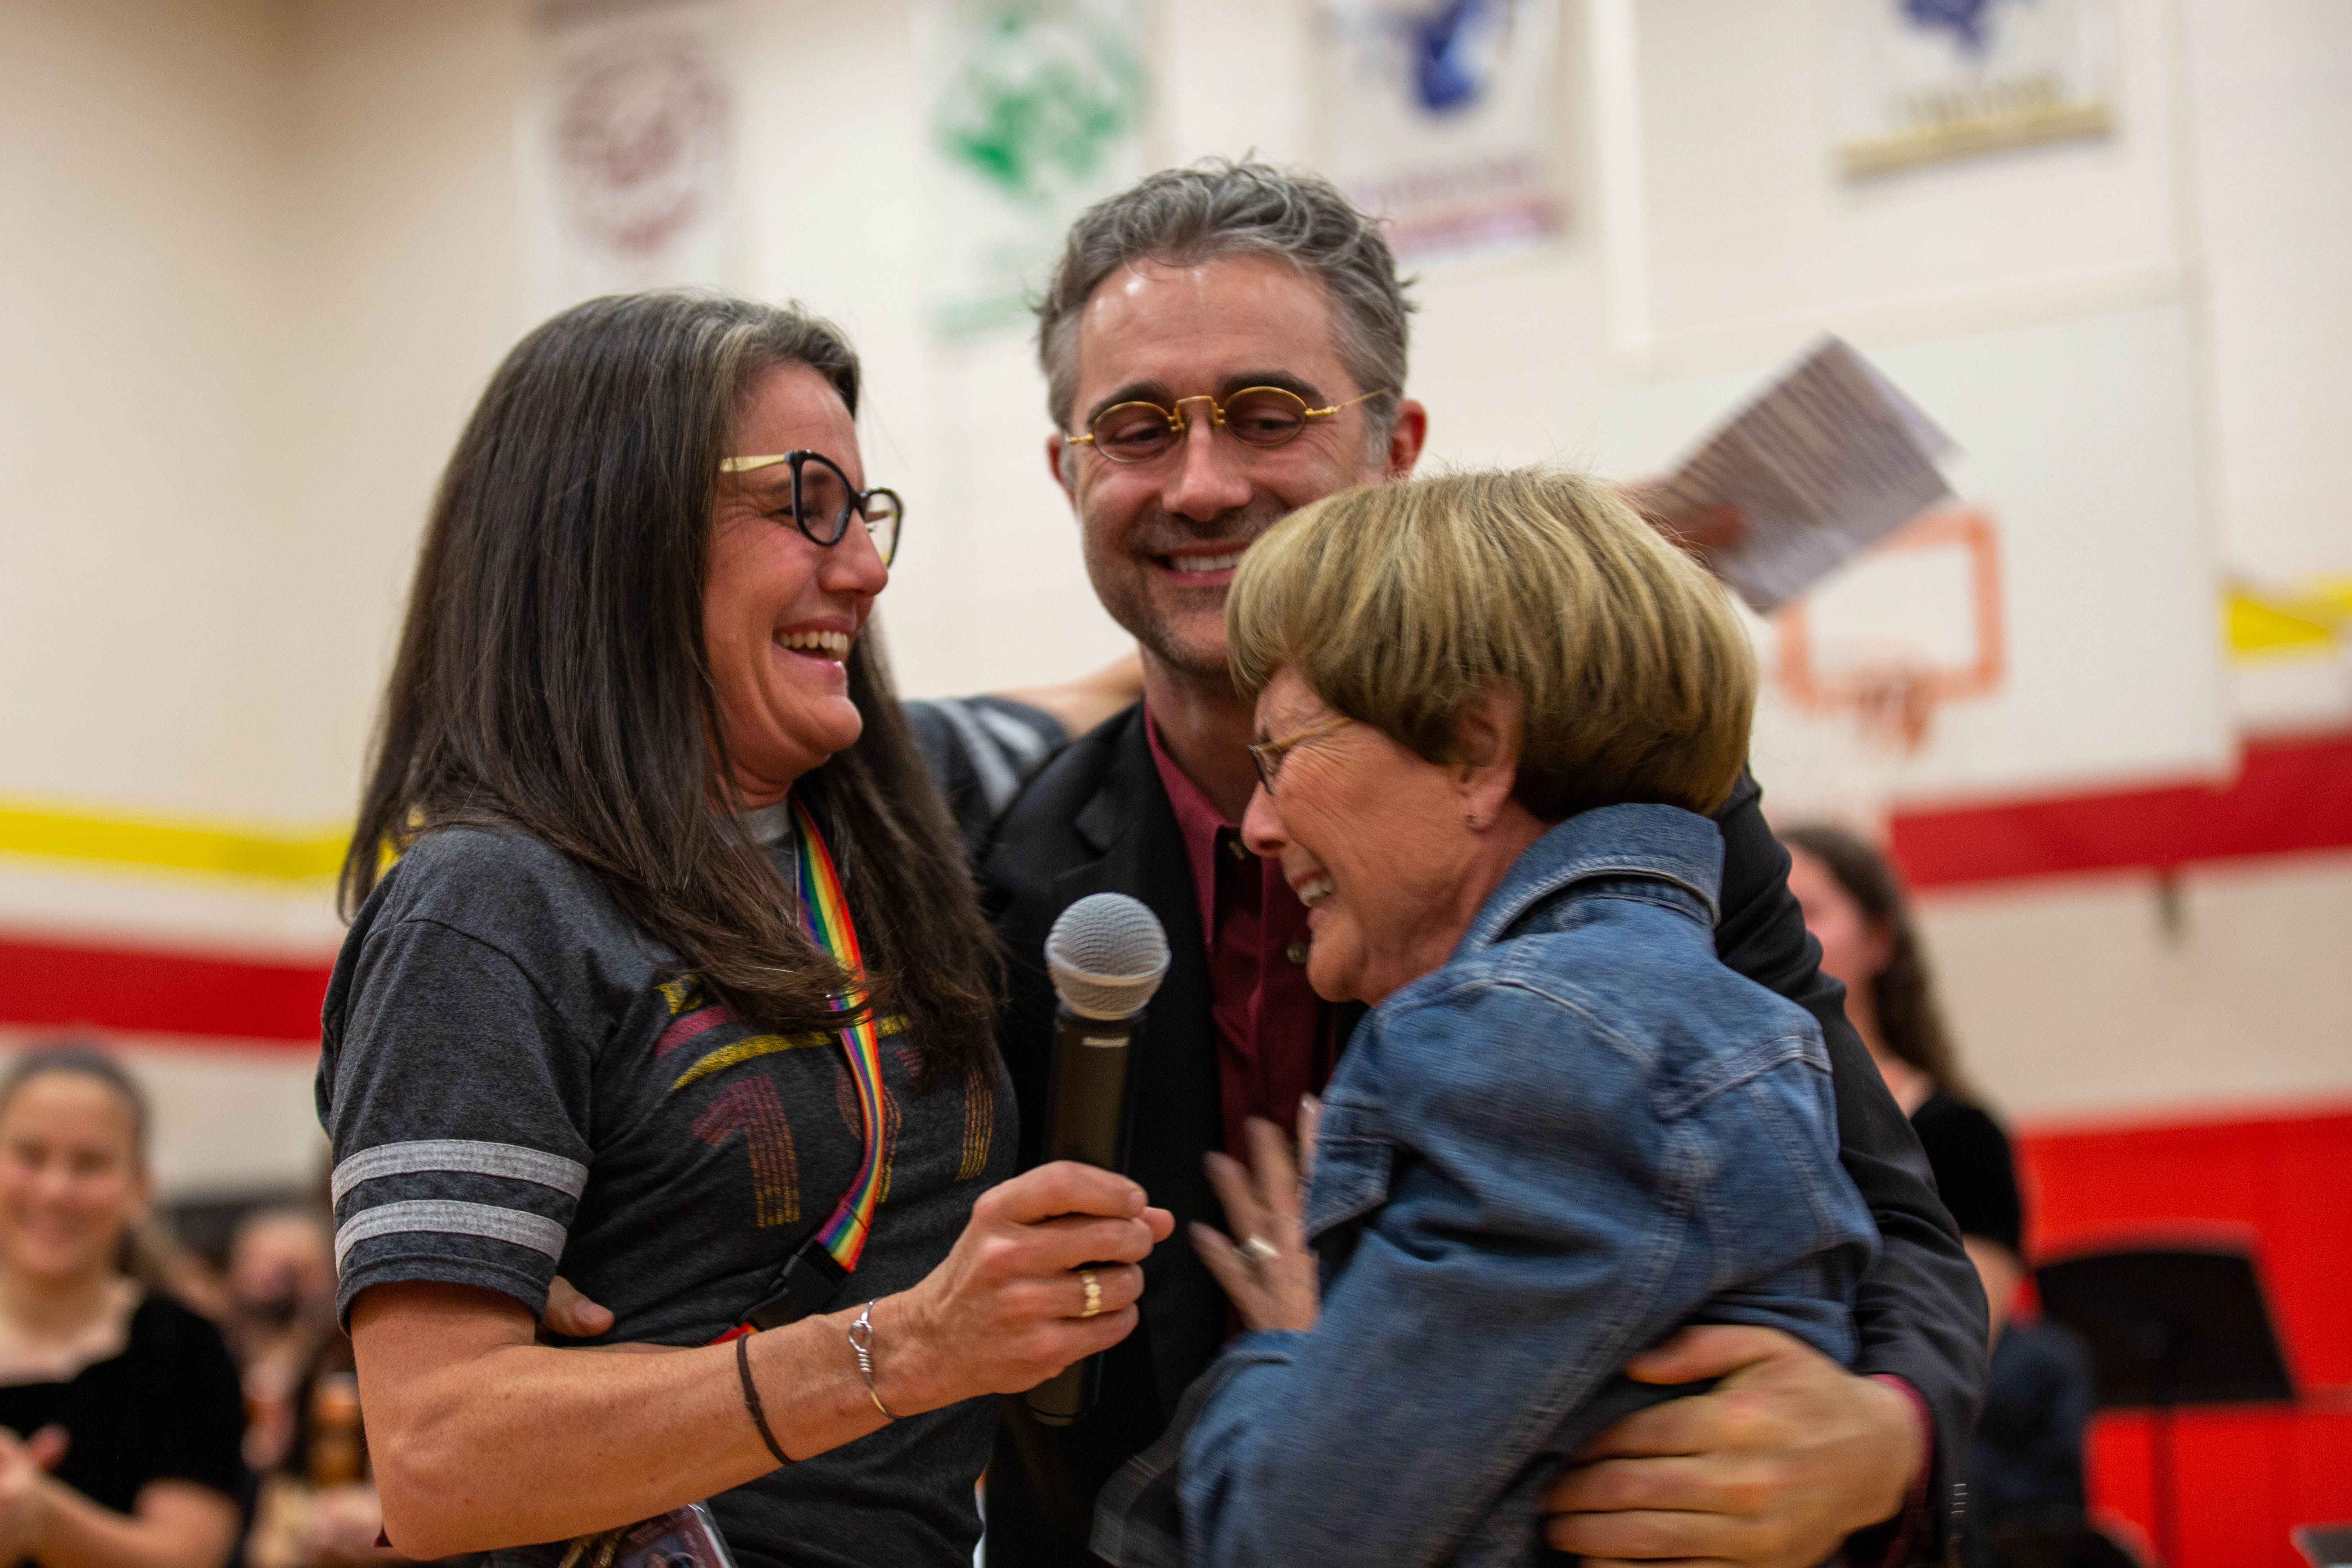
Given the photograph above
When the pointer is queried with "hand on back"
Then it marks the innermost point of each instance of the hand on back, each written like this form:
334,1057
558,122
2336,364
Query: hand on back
1789,1456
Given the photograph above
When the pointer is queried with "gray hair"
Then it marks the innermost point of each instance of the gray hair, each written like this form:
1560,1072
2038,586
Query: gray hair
1219,207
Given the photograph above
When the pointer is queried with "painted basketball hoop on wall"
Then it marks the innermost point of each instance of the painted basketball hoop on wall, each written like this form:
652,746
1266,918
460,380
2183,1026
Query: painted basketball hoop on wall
1915,623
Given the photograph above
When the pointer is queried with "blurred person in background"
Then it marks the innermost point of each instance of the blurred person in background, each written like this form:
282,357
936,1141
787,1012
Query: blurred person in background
124,1419
680,974
318,1506
1854,907
2025,1466
281,1285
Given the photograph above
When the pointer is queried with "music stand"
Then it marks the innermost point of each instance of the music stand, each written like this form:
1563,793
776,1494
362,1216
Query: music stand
2323,1545
2169,1327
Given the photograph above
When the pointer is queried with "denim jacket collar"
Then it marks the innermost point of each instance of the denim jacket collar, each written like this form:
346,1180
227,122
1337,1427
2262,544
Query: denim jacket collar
1655,843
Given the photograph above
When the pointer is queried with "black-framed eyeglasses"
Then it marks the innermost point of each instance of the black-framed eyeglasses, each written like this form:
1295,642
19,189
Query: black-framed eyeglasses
824,501
1261,416
1268,755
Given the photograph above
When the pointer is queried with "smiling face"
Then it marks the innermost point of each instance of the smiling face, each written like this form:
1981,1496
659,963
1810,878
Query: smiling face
70,1180
780,612
1162,537
1373,840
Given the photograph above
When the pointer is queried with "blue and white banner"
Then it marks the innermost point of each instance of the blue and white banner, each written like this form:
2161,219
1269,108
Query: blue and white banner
1932,80
1443,116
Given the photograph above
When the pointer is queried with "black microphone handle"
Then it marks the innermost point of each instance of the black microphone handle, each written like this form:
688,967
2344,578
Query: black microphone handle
1088,1109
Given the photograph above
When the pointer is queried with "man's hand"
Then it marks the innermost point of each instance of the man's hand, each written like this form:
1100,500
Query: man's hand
572,1315
1789,1456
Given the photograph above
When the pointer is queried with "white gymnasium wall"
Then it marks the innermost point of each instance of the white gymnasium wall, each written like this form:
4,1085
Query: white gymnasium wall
2269,110
2091,999
144,191
262,257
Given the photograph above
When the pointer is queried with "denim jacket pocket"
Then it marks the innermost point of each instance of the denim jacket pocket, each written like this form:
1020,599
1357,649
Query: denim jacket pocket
1354,1160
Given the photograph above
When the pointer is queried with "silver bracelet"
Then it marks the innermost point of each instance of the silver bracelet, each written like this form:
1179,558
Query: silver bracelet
861,1340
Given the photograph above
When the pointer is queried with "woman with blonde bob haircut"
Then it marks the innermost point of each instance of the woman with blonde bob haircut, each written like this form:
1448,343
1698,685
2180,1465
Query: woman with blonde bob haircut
1493,710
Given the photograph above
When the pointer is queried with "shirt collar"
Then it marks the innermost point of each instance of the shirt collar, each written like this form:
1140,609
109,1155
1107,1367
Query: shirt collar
1661,843
768,824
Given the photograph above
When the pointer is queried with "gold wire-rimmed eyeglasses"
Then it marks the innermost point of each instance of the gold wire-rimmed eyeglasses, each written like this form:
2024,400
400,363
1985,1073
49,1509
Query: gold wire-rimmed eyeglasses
1268,755
1261,416
822,499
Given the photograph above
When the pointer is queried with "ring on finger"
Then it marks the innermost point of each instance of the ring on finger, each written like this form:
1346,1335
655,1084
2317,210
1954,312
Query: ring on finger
1094,1293
1261,1250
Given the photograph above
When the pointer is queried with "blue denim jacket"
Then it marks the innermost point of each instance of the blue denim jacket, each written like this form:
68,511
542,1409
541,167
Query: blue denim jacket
1579,1133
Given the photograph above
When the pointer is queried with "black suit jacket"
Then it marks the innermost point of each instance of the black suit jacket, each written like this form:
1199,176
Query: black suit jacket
1097,819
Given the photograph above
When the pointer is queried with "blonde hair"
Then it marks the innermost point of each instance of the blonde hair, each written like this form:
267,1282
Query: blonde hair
1400,603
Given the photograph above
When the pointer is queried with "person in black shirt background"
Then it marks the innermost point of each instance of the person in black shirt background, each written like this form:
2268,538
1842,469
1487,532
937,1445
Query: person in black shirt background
123,1411
2025,1465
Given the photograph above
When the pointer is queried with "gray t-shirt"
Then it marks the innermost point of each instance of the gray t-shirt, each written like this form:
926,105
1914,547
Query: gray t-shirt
517,1083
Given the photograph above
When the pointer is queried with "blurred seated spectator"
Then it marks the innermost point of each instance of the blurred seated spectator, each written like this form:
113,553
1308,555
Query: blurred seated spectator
282,1282
320,1508
122,1410
2025,1467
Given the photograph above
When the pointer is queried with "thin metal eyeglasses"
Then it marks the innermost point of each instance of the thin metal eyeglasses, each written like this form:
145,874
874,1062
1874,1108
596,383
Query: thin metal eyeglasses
1268,755
824,498
1260,417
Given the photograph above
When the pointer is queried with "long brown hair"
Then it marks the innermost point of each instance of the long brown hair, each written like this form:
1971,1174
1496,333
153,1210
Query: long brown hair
1901,991
553,677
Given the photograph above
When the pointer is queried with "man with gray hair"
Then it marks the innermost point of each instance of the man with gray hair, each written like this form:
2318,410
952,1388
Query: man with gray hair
1224,343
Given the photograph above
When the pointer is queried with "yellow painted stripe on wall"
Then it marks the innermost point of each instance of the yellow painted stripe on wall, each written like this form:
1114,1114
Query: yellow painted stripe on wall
2311,618
213,848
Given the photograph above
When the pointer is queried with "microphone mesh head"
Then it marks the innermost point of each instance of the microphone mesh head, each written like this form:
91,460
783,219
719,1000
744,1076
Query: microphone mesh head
1107,954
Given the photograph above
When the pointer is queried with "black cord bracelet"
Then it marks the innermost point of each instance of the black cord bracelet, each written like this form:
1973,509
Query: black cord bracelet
752,1399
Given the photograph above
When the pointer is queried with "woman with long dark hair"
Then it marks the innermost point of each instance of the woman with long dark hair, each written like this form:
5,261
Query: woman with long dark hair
678,983
123,1420
1854,907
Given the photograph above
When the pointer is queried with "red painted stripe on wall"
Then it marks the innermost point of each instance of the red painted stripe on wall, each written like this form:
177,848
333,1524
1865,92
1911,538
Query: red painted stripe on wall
2289,795
48,984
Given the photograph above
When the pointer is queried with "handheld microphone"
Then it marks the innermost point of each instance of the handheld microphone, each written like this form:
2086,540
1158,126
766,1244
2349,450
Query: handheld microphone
1107,954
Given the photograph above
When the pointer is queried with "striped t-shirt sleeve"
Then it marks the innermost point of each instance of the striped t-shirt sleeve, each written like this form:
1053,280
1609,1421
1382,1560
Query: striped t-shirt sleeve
458,1105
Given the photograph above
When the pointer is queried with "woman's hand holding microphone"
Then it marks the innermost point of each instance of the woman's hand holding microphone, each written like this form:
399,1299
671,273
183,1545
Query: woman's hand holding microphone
1047,1272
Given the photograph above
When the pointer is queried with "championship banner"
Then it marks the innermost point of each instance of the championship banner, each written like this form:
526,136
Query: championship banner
1035,111
1441,116
1932,80
627,149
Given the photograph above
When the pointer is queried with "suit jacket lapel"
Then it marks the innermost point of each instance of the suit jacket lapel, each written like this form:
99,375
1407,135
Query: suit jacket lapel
1178,1110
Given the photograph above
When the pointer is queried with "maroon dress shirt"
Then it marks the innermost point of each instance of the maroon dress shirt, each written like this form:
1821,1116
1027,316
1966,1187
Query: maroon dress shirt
1276,1040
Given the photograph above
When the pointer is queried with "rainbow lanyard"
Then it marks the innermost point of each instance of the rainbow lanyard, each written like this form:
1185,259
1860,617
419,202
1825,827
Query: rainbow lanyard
825,912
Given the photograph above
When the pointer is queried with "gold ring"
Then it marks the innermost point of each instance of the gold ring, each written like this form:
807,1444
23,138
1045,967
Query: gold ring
1262,1249
1094,1292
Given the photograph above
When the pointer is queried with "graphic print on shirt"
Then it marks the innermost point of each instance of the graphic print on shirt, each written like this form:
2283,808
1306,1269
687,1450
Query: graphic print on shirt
750,1106
979,1121
697,1035
694,1015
